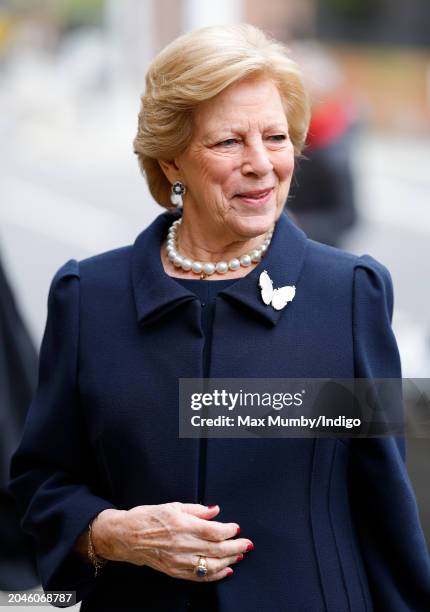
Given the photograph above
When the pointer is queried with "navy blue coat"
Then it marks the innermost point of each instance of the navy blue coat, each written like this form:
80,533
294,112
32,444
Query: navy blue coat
334,521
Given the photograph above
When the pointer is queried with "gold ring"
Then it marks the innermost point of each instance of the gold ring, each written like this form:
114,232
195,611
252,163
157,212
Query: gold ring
201,568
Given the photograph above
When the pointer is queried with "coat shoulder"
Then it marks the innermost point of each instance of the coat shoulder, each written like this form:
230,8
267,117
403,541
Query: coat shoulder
108,269
334,261
335,273
331,259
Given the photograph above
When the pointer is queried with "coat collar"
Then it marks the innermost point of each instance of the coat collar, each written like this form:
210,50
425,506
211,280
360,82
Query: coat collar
156,294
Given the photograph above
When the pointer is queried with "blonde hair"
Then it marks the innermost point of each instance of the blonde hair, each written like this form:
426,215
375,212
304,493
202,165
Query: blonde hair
196,67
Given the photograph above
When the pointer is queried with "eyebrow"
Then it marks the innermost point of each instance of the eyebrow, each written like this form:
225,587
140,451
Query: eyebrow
239,129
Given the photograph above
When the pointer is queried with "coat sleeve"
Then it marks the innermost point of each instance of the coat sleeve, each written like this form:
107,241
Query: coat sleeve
52,470
383,503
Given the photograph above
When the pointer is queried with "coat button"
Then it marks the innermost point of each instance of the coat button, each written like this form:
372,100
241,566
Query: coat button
203,303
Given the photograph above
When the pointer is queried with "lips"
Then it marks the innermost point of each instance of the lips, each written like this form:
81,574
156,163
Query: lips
261,193
258,198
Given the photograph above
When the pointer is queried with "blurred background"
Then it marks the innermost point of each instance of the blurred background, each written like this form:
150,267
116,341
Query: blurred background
71,73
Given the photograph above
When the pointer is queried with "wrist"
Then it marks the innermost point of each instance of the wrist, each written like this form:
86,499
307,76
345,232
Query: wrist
104,529
96,561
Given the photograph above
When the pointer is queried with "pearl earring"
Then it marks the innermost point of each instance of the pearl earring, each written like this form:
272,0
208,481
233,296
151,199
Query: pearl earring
178,190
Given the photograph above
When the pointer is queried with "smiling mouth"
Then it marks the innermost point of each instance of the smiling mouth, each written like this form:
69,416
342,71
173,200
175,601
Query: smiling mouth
254,195
260,196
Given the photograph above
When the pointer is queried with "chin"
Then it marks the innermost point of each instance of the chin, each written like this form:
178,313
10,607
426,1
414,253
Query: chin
257,222
254,225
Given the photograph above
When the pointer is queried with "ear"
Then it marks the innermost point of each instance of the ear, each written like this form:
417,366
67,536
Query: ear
170,170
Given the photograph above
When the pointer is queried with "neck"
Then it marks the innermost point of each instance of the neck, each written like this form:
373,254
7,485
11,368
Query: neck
235,258
203,246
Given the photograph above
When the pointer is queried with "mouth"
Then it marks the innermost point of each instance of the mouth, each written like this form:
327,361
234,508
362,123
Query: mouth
260,196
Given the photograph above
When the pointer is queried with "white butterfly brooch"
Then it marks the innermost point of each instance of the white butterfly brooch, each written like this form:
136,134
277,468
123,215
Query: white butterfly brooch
279,298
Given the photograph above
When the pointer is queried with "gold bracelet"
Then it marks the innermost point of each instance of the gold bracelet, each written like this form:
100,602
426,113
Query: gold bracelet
98,562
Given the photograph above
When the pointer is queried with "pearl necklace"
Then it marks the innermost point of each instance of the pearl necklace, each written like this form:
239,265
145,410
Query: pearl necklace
208,268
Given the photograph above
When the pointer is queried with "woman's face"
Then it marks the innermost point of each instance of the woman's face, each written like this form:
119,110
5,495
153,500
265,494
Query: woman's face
238,166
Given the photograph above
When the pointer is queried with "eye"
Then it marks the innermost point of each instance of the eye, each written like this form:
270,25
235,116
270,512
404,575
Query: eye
278,137
228,142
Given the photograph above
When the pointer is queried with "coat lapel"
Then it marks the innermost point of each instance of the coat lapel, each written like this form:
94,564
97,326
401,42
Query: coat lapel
157,294
283,261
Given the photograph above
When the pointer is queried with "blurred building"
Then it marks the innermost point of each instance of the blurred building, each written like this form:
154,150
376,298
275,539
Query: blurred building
383,50
374,22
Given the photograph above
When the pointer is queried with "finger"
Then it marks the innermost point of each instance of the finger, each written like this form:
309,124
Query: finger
228,548
217,565
184,567
225,548
214,531
212,577
200,510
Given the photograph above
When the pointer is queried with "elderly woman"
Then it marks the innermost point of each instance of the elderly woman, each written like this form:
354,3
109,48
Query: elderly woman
124,511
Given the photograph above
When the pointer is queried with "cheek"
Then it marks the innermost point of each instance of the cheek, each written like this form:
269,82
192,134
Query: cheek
221,169
218,174
285,165
205,171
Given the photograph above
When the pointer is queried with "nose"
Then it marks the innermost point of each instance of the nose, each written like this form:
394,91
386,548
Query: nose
256,159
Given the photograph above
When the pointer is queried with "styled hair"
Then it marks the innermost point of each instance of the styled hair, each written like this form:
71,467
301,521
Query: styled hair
197,66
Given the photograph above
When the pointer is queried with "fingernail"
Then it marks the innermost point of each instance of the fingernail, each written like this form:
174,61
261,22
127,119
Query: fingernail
210,507
250,547
240,557
237,530
229,571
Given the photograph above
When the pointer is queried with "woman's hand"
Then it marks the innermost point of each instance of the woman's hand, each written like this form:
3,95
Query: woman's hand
170,538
